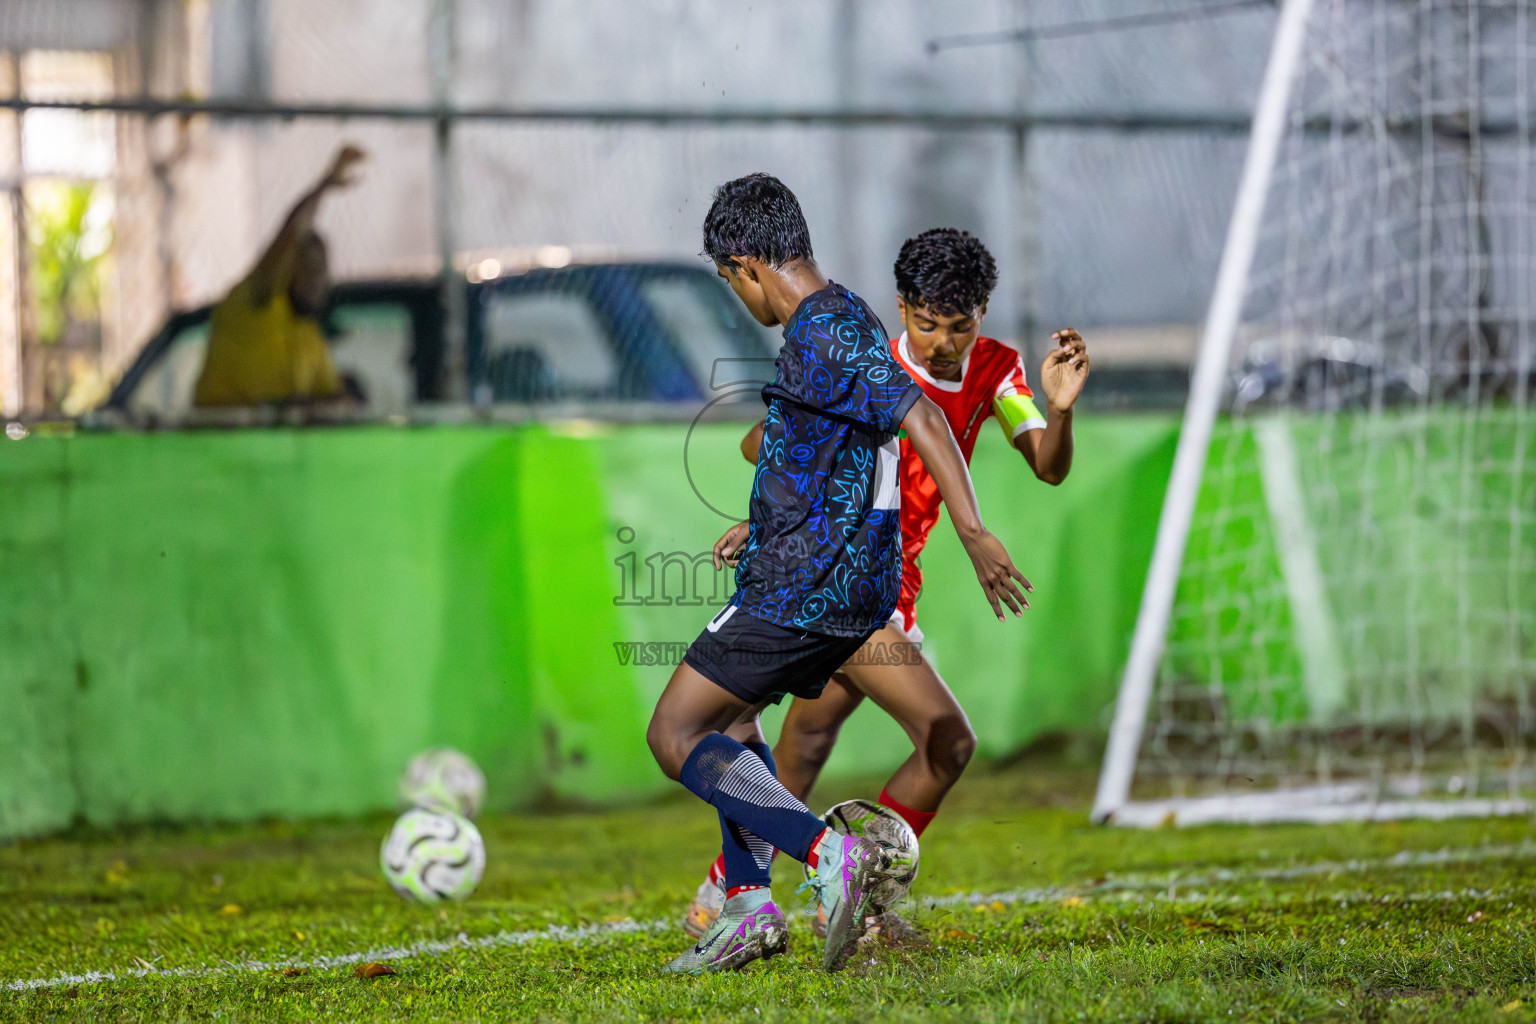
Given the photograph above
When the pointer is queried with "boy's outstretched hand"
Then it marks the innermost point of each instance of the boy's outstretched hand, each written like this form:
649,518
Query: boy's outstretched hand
1065,369
996,574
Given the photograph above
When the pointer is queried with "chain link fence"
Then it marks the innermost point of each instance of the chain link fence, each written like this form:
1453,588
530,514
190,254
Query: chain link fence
150,151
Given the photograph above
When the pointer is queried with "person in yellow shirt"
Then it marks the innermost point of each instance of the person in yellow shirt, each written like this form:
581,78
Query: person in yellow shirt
264,339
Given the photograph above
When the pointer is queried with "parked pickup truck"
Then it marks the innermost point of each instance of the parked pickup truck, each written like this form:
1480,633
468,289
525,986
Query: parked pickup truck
607,339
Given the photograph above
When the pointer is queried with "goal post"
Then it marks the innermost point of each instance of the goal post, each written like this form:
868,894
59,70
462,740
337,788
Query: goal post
1339,618
1200,412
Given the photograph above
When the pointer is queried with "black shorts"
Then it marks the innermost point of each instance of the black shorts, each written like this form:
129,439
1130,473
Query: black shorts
759,661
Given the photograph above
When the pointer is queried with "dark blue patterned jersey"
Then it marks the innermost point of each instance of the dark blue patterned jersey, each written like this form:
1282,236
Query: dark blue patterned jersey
824,550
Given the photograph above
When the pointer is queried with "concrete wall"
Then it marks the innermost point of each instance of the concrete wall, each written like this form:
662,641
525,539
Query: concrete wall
1092,228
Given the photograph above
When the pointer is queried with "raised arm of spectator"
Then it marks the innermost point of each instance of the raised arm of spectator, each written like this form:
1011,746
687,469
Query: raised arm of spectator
275,268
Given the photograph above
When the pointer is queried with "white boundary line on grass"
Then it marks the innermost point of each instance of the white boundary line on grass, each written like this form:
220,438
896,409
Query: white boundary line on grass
554,933
1170,881
1173,880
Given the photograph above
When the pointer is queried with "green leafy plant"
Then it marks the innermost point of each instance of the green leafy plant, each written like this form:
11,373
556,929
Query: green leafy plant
67,239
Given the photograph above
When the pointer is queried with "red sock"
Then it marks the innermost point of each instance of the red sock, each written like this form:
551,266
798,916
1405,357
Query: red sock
717,869
917,819
811,858
733,890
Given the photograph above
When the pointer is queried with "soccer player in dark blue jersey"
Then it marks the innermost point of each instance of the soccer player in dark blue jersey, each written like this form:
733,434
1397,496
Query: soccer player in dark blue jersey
819,571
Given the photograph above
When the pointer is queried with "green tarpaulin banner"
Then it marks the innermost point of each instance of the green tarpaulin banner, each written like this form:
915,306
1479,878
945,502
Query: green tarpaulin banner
230,625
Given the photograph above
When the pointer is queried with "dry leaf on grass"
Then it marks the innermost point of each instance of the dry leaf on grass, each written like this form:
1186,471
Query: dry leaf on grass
293,972
372,969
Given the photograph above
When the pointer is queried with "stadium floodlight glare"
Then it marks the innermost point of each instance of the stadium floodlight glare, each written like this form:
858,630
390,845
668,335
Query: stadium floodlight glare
1338,618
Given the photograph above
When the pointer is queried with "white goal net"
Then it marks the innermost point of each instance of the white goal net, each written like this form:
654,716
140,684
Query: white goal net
1341,618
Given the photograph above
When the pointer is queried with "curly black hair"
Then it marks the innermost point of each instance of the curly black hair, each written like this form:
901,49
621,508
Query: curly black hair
947,270
756,215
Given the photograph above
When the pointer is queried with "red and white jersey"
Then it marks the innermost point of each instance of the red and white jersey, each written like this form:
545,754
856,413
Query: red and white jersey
991,386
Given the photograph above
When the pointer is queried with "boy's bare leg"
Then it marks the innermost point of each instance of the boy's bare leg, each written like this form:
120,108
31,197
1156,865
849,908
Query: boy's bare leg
747,730
688,737
690,708
810,731
914,695
911,693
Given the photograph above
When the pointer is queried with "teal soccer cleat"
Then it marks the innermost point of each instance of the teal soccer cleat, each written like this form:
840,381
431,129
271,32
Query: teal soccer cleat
848,868
750,927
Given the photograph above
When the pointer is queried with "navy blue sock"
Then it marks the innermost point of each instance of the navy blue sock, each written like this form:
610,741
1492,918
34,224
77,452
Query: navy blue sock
733,780
747,857
764,754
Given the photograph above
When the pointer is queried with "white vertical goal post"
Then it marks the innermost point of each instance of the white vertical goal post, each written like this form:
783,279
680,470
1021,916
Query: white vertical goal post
1339,617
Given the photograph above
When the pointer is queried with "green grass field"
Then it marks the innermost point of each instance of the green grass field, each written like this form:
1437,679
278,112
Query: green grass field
1029,914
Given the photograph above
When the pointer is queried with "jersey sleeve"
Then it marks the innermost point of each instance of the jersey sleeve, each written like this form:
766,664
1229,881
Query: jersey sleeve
1014,404
875,390
846,371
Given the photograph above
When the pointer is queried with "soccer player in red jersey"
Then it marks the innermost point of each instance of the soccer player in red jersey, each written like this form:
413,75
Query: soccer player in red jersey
943,280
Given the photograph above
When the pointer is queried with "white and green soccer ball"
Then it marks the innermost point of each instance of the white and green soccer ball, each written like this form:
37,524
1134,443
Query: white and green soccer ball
890,830
430,856
445,780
